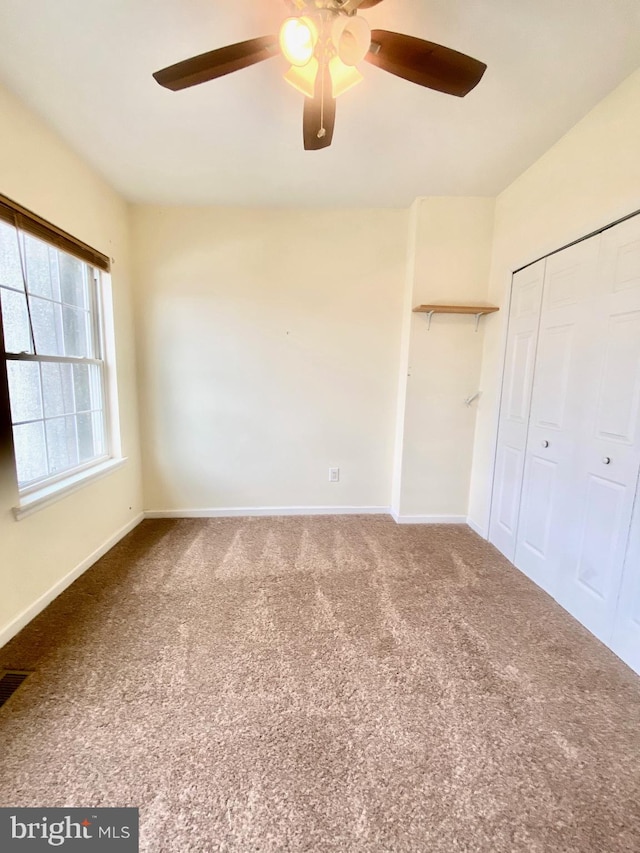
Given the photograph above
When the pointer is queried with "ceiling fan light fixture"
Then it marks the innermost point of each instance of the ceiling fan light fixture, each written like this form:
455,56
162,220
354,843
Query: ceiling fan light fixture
324,41
351,37
304,78
298,39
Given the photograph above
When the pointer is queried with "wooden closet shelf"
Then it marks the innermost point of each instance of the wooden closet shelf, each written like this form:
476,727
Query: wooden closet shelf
477,311
455,309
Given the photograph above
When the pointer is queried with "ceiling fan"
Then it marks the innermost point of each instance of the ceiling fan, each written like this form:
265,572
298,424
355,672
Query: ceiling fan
324,41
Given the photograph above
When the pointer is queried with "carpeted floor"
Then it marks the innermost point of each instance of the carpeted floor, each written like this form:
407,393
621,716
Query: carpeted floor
323,684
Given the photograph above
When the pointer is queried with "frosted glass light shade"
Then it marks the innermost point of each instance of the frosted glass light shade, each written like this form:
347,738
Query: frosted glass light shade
298,39
351,37
304,79
343,77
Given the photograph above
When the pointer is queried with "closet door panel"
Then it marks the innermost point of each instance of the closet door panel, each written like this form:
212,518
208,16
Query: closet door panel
552,374
626,630
601,534
607,458
620,267
556,412
619,420
619,399
524,316
538,506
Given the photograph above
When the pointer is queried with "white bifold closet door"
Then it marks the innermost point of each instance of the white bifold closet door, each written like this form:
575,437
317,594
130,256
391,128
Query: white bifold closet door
568,456
604,467
555,419
524,317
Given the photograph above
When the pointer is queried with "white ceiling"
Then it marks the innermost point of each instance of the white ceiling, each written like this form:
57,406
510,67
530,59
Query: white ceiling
85,66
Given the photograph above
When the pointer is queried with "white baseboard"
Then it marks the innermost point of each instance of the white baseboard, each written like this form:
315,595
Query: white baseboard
233,512
239,512
429,519
39,604
478,528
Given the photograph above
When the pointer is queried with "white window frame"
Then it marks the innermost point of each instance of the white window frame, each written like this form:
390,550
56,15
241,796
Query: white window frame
44,491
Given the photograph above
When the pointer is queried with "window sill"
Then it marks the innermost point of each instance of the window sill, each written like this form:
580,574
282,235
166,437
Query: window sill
55,491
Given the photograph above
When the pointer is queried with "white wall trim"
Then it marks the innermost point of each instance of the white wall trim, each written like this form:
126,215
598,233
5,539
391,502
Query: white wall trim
39,604
248,512
231,512
429,519
478,528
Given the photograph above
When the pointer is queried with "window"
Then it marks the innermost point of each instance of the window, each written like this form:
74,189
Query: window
51,304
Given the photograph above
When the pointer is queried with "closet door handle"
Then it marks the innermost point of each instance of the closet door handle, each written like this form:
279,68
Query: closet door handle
544,442
606,460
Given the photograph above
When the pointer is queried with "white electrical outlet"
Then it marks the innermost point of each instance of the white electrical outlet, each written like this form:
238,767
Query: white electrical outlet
334,475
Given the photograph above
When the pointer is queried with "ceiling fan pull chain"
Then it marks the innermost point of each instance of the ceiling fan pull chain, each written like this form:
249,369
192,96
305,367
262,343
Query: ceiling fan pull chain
323,131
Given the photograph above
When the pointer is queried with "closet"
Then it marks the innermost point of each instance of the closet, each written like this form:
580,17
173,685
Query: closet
566,500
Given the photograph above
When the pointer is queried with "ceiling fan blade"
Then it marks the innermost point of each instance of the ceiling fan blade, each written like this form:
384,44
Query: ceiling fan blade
352,5
319,115
425,63
217,63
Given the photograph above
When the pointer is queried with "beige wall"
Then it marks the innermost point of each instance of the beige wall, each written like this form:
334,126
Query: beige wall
268,347
440,366
40,172
590,178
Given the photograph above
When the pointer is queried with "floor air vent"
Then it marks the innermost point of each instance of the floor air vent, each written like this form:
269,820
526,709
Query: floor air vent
10,680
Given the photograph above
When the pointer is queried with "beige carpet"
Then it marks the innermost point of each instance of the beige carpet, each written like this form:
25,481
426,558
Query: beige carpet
324,684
